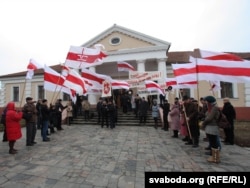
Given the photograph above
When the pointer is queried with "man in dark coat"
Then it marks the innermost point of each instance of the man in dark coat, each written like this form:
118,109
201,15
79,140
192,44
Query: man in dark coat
59,108
143,110
230,113
105,112
166,109
30,109
191,115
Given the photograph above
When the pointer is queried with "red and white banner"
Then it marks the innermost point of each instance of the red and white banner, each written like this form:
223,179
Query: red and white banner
118,84
124,66
142,76
106,89
80,57
53,81
93,79
32,66
152,86
73,80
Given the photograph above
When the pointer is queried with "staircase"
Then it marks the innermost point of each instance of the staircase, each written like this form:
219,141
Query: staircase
127,119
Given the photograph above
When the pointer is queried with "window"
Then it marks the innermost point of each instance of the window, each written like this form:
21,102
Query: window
15,93
66,97
115,40
226,89
184,92
40,92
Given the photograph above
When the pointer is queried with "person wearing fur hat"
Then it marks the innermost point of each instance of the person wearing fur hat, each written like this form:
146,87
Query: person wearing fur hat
211,128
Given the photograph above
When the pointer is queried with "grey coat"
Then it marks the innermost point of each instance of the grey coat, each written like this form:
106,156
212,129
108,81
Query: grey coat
210,122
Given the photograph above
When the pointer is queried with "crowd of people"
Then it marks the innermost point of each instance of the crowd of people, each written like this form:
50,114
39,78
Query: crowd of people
185,118
37,115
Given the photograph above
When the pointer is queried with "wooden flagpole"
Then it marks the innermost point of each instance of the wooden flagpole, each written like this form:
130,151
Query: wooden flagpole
21,101
185,116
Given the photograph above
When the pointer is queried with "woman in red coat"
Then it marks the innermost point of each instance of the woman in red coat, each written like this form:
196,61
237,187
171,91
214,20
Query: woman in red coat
13,127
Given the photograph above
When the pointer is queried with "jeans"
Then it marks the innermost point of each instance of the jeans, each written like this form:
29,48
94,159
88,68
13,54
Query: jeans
45,129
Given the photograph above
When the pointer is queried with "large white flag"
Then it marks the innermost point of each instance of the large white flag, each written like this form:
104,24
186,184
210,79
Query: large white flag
80,57
223,70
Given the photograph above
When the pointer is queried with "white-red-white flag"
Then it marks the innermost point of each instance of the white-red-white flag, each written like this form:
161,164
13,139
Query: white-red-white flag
185,72
215,85
93,79
106,88
31,67
118,84
223,70
65,70
173,83
219,56
80,57
53,81
124,66
153,86
73,80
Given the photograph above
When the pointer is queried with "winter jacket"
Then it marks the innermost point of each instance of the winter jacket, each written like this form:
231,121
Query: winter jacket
155,111
13,126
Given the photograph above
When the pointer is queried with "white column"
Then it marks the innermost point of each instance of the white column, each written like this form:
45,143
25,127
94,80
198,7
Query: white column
140,65
162,68
92,98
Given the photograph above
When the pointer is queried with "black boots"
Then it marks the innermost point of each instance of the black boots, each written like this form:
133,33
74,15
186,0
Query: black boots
11,146
175,134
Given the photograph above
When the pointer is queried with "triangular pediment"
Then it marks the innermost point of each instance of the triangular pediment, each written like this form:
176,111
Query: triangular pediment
119,38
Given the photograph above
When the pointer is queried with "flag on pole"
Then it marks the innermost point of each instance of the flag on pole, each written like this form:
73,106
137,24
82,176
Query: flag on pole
223,70
93,79
118,84
74,81
153,86
65,70
31,67
185,72
80,57
173,83
124,66
53,81
219,56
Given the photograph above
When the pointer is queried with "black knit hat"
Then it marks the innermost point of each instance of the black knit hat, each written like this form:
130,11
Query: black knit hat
29,98
210,99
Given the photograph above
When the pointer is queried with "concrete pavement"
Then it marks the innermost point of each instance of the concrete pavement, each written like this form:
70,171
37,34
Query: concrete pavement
84,156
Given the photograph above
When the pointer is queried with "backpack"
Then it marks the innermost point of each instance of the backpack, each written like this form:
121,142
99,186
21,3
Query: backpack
222,121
